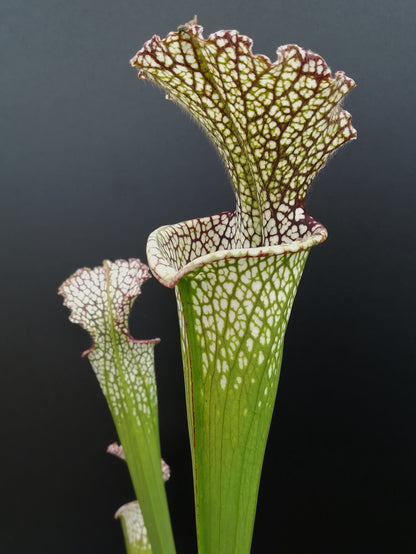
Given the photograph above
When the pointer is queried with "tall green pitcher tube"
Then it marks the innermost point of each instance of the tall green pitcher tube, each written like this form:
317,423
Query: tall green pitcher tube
236,273
233,307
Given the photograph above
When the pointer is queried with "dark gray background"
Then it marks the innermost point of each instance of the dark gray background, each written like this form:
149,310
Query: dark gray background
92,160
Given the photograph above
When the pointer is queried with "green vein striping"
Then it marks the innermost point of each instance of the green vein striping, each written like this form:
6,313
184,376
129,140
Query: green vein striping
236,313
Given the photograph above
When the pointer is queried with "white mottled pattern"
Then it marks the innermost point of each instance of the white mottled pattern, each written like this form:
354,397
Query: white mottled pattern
135,529
100,300
233,315
274,124
104,295
173,251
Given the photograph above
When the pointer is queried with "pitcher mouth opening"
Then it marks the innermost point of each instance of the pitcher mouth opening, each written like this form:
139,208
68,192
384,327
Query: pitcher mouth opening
174,251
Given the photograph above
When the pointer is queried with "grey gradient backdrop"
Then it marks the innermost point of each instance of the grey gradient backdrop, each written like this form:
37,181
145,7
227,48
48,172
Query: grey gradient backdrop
92,160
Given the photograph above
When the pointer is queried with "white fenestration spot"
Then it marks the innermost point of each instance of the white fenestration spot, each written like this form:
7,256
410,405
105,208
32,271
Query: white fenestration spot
250,344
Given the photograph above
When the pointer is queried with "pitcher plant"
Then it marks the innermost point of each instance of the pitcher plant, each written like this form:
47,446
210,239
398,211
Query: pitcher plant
236,273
